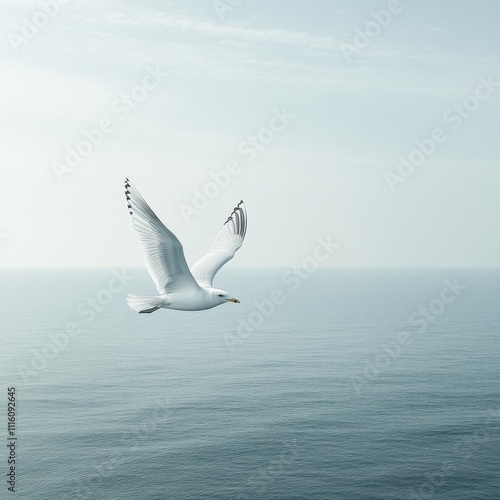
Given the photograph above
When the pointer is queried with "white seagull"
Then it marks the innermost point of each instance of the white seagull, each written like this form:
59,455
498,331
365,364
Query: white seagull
179,287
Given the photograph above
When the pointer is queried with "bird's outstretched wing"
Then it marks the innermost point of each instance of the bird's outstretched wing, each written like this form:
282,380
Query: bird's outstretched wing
162,250
229,239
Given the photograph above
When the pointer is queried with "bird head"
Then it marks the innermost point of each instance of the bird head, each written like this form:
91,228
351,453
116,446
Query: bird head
221,296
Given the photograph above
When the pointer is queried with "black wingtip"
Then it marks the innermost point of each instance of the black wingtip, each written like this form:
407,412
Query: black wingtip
240,218
127,195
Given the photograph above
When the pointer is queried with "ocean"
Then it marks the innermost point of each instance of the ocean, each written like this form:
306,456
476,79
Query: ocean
350,384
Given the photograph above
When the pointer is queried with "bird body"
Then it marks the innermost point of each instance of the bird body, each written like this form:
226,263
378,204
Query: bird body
193,300
179,287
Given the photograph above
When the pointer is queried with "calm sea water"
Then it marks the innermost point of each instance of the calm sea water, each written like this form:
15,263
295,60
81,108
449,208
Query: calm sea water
361,384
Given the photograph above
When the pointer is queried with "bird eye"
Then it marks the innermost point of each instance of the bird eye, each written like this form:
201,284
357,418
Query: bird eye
220,295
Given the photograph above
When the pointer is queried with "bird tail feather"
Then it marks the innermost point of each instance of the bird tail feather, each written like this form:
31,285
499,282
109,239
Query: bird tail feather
145,304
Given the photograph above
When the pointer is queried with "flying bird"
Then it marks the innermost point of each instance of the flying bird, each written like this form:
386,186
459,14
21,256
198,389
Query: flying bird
178,286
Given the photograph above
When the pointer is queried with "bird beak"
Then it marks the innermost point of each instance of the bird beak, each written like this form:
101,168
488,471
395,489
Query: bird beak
236,301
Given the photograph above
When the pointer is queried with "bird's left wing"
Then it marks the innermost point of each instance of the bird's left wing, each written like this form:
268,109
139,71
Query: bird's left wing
162,250
229,239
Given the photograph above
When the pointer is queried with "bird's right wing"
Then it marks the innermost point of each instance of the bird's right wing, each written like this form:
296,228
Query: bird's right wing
227,242
162,250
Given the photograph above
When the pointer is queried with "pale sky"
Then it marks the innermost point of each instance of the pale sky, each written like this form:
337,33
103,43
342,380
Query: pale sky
213,79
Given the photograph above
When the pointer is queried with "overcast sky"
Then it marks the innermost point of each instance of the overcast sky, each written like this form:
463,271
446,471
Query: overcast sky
333,94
